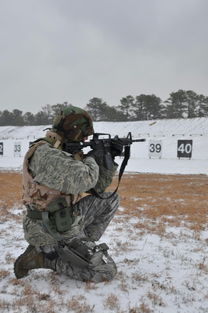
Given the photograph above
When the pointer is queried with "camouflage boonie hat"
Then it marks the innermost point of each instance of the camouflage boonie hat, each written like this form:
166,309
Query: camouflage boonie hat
73,123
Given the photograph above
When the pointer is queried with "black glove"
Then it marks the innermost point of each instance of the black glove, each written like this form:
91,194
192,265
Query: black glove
102,158
97,155
116,147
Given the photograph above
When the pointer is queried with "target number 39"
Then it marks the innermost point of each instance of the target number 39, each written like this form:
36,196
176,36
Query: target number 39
155,149
184,149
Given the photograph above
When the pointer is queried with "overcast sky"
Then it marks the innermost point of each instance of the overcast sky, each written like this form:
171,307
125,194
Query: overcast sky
72,50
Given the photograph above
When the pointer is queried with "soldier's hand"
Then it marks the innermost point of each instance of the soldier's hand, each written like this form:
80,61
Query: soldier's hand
97,155
102,158
116,147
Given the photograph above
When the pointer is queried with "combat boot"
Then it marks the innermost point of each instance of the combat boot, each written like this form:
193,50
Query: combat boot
30,259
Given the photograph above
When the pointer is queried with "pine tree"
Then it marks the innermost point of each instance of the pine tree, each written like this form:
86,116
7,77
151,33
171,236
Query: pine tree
29,119
147,107
202,106
126,107
96,107
6,118
17,118
177,104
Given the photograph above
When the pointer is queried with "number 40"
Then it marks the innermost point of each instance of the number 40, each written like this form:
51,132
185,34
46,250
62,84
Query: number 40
185,148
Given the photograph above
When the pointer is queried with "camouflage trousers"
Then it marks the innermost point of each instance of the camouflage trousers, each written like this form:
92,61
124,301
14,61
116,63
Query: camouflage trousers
94,215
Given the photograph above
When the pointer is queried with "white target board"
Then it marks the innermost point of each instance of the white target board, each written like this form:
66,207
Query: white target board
155,149
17,149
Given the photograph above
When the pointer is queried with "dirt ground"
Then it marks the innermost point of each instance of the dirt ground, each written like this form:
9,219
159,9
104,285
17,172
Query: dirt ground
173,199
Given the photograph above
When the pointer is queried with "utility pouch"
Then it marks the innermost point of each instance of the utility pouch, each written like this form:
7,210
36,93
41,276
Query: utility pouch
60,214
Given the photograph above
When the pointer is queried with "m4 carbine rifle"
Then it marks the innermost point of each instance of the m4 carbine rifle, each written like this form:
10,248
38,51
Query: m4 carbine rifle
104,142
106,145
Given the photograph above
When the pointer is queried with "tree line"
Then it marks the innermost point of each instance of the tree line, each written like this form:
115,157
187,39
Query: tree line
180,104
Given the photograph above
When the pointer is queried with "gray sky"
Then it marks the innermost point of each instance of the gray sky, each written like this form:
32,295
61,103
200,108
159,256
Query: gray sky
72,50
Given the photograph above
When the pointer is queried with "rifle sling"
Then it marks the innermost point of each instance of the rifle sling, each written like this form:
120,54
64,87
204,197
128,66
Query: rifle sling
122,168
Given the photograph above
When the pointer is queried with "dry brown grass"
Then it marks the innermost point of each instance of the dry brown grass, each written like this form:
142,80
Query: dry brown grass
78,305
181,197
11,189
112,302
153,196
143,308
4,274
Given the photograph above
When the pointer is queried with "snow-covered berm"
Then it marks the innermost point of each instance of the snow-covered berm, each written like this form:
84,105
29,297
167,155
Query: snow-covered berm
164,133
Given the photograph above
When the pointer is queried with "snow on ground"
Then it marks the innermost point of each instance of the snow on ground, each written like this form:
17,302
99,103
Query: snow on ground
157,272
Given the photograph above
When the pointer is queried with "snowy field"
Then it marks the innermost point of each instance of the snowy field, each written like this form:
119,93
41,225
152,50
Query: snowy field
162,268
158,272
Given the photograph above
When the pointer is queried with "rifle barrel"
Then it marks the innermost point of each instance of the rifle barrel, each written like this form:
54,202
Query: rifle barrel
138,140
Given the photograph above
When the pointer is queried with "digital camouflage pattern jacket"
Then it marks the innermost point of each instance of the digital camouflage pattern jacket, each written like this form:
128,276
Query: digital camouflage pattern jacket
49,172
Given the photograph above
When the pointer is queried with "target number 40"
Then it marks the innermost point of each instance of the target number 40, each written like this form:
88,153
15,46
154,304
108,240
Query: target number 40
184,149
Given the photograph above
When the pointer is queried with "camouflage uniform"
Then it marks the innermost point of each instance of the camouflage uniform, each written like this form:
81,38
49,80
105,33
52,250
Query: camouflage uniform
58,170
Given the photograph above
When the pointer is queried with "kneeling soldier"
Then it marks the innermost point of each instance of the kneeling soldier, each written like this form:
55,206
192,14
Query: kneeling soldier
61,224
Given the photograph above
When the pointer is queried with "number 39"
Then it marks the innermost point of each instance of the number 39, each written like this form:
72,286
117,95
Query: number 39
155,147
